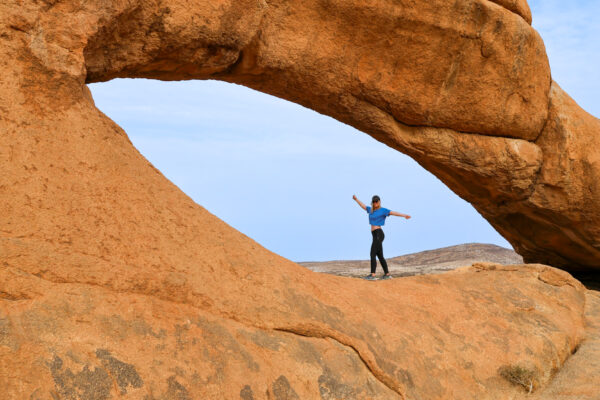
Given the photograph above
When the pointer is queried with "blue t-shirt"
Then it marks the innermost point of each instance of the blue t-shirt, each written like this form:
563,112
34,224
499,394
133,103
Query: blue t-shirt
378,216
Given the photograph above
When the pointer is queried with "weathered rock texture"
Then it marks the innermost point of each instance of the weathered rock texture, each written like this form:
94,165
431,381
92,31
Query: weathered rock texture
542,196
463,87
579,378
113,283
419,337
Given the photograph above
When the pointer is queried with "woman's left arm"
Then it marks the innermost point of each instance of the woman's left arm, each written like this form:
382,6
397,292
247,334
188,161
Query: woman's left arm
399,214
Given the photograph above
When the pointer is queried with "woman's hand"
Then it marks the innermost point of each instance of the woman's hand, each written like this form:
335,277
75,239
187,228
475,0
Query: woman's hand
359,203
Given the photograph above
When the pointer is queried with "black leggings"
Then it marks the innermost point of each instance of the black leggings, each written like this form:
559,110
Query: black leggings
377,250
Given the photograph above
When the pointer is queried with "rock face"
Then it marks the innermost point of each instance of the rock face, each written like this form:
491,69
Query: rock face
297,335
570,383
463,87
561,214
517,6
114,284
542,196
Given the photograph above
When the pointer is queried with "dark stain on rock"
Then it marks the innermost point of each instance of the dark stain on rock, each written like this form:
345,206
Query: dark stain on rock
474,296
311,308
518,299
44,319
528,351
283,391
74,357
371,335
262,339
405,377
6,339
38,394
434,388
544,323
305,351
225,346
533,321
124,373
246,393
330,388
176,391
122,328
85,385
179,372
181,336
383,363
142,328
14,296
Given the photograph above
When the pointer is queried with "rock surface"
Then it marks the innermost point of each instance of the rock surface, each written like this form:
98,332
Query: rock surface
463,87
518,7
424,262
115,284
309,336
579,378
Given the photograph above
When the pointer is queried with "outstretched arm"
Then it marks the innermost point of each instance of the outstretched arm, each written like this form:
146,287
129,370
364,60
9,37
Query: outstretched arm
360,203
399,214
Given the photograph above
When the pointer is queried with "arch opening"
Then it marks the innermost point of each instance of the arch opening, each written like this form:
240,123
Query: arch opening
284,175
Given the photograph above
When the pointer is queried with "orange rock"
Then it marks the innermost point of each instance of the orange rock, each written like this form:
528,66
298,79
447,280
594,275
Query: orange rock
114,283
566,192
556,219
518,7
446,69
578,378
309,335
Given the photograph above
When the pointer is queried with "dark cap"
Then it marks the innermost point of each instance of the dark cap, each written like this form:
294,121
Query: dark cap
375,198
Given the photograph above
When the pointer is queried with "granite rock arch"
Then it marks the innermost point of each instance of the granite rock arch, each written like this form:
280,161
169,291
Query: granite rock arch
100,253
463,88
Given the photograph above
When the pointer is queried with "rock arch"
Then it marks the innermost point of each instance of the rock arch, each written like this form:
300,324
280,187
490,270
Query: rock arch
463,88
112,281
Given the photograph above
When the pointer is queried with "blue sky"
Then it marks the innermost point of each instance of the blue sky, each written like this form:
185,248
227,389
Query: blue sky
285,175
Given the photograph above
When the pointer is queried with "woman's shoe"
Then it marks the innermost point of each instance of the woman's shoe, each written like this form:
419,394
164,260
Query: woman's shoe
370,278
388,276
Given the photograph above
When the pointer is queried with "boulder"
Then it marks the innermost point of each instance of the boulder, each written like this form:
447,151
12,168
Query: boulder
286,333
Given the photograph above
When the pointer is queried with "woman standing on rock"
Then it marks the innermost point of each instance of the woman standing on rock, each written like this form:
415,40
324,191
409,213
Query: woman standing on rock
377,216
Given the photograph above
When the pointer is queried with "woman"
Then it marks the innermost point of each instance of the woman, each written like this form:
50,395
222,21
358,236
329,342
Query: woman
377,216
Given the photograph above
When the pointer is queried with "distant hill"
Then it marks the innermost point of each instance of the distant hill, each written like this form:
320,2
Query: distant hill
424,262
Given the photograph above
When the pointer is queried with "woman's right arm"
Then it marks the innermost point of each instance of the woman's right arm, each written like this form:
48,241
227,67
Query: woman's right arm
359,203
